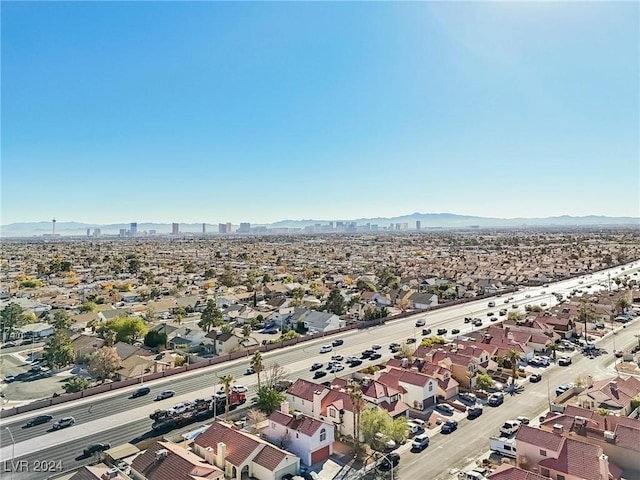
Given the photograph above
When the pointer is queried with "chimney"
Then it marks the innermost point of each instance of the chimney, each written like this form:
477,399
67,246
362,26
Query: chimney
558,428
317,398
613,385
221,454
284,407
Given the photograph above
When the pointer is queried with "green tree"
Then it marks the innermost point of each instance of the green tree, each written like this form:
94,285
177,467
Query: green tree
211,316
76,384
372,421
290,335
155,339
103,363
11,319
358,402
335,302
58,350
483,381
431,341
553,348
515,316
268,400
258,366
364,286
586,314
398,430
123,329
227,328
227,382
180,314
246,331
88,307
622,304
62,320
228,277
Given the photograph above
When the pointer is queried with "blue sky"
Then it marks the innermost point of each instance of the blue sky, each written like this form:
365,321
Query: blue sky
211,111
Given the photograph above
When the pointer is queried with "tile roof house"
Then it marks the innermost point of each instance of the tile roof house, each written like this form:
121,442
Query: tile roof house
309,438
618,436
99,471
240,454
420,390
386,397
168,461
555,455
613,393
509,472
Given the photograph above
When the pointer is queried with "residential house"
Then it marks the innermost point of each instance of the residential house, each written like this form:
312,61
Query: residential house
557,456
315,321
613,393
307,437
510,472
224,343
189,303
163,460
420,390
34,331
385,397
84,345
240,454
422,301
99,471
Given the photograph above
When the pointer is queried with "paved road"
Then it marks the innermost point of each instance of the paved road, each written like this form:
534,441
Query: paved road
115,418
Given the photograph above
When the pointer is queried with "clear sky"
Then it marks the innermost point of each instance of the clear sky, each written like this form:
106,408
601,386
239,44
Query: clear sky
211,112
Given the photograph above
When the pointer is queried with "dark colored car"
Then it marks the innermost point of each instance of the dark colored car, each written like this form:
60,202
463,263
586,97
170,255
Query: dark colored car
394,346
411,340
474,412
355,363
316,366
96,448
455,331
375,356
442,331
337,342
535,378
142,391
449,426
426,331
495,400
39,420
367,353
389,461
319,374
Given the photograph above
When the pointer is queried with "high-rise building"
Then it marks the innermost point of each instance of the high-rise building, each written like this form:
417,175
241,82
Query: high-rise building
222,228
204,228
88,232
418,225
228,227
175,228
133,229
245,227
96,232
123,232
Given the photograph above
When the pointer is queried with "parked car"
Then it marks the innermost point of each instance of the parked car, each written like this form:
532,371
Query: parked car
495,399
96,448
449,426
426,331
474,412
9,378
35,369
563,388
445,408
142,391
64,422
510,427
468,397
420,442
523,420
389,461
39,420
388,443
420,323
316,366
337,342
564,361
326,348
165,394
535,378
319,374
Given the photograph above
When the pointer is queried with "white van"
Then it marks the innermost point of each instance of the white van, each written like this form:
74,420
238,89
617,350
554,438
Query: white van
420,442
418,422
414,428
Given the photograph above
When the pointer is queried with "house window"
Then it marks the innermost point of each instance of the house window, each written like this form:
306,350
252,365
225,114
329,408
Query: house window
323,435
332,413
273,425
543,453
431,387
560,477
544,472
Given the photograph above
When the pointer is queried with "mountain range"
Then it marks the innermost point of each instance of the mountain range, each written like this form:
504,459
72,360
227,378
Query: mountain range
427,220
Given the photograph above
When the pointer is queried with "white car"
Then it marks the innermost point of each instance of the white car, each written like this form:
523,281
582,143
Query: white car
179,408
9,378
239,388
352,358
326,348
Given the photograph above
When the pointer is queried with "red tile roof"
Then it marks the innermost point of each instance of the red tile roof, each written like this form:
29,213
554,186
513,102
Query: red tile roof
339,400
270,457
412,378
396,408
303,424
378,390
239,446
509,472
179,464
576,458
538,437
304,389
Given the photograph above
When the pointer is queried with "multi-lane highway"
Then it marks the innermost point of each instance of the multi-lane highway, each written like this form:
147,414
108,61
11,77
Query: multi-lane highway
116,418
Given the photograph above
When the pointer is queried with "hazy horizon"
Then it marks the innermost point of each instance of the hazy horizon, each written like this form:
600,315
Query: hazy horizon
260,111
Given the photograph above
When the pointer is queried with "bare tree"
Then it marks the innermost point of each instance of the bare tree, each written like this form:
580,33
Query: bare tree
103,363
254,418
273,374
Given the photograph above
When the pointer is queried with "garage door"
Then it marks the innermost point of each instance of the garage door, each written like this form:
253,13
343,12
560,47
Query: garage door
319,455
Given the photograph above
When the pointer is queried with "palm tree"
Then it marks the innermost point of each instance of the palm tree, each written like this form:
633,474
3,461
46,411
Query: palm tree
604,413
256,363
622,304
553,348
513,357
357,400
227,381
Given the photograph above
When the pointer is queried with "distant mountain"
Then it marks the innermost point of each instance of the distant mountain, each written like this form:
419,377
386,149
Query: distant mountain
427,220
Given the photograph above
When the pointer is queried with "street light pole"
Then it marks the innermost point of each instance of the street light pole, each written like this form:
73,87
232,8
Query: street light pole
13,450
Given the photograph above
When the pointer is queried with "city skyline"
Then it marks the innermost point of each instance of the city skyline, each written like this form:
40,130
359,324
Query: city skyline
265,111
